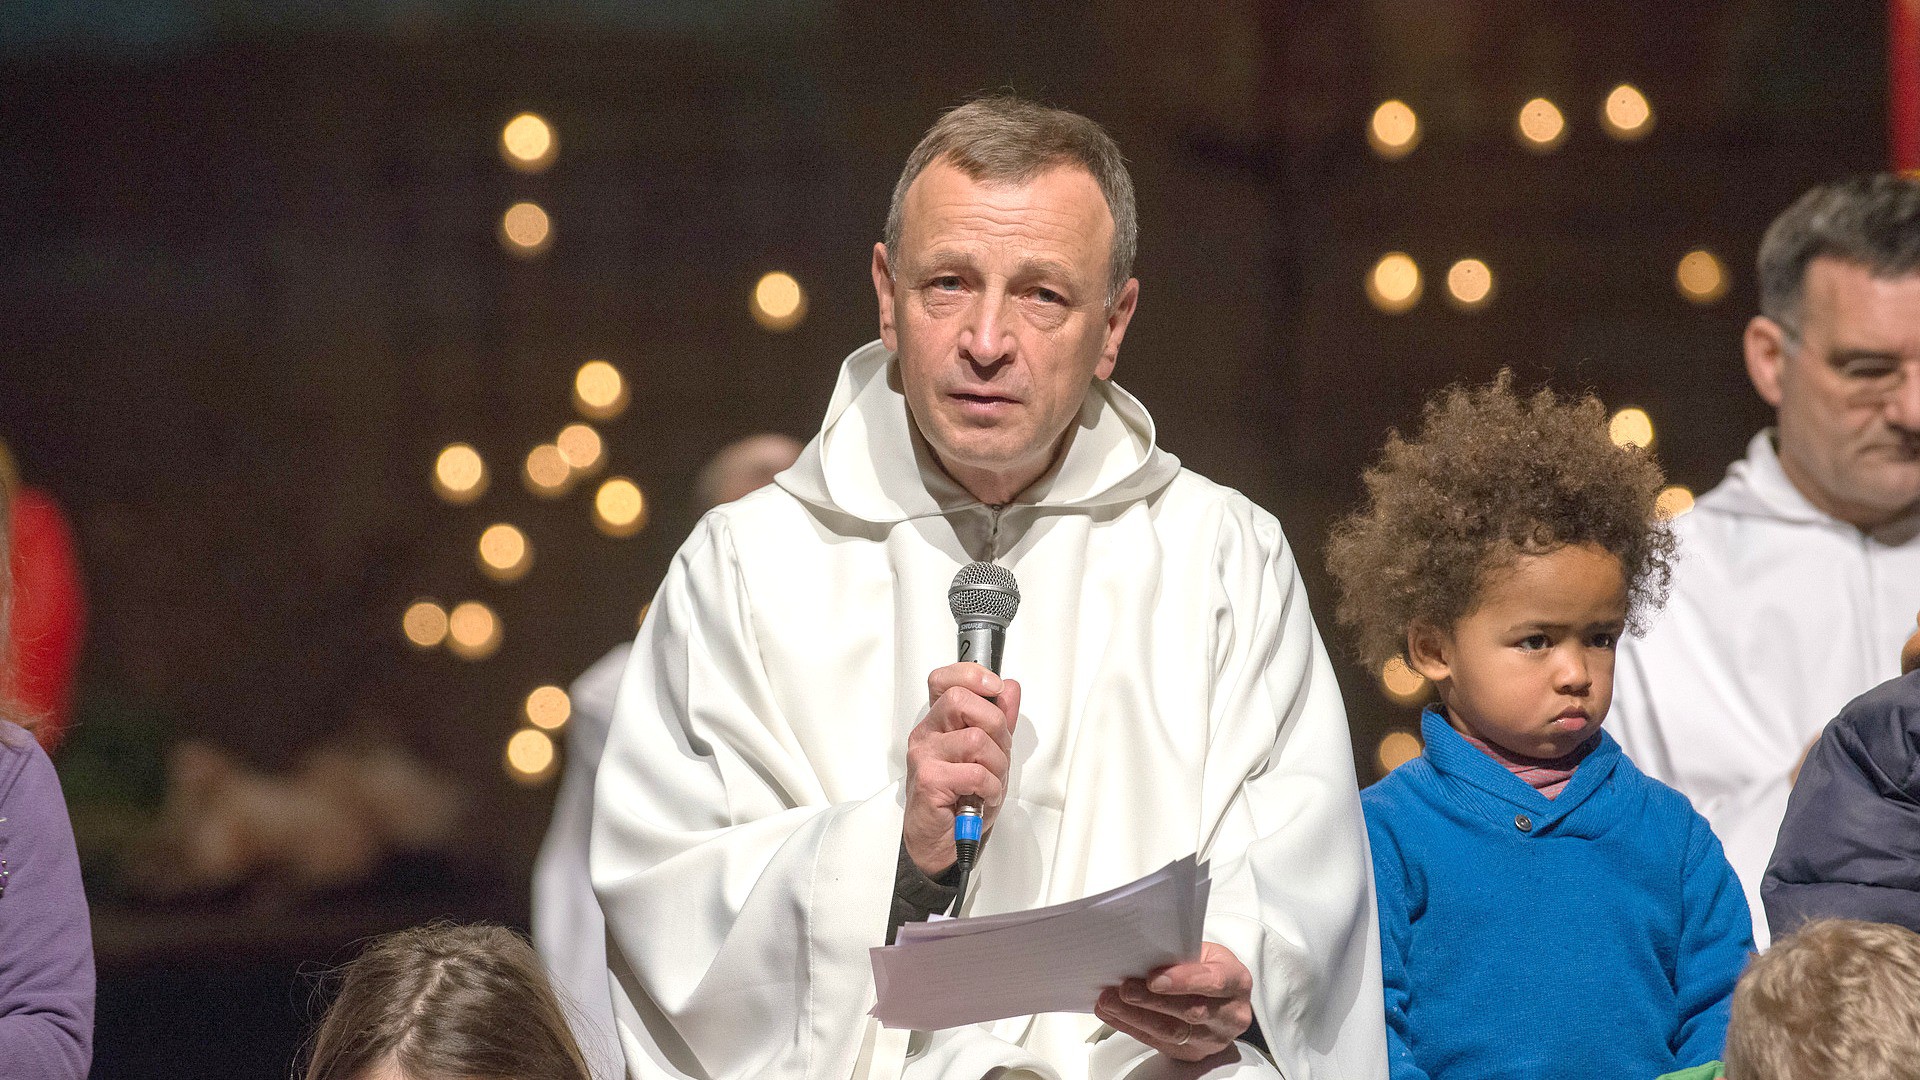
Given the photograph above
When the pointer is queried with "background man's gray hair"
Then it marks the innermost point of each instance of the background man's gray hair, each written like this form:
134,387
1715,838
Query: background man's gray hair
1870,220
1004,140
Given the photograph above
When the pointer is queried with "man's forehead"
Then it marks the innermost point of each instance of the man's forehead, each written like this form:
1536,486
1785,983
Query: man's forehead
1065,190
1852,294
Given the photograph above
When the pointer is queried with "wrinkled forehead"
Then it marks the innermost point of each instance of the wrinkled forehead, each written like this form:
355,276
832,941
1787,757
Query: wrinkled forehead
1059,208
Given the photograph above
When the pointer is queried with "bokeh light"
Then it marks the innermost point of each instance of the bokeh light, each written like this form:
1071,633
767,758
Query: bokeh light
1625,114
1394,130
619,509
528,142
1701,277
504,553
459,474
530,756
1398,748
1631,427
547,473
525,229
599,391
1401,683
779,303
1393,285
580,447
548,708
473,631
1540,125
1673,501
1470,284
425,623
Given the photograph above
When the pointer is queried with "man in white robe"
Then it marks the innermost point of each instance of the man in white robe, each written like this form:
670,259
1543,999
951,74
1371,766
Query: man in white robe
1800,573
782,765
568,929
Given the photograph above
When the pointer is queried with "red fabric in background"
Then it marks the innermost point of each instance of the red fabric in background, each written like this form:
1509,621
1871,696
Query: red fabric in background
49,612
1903,83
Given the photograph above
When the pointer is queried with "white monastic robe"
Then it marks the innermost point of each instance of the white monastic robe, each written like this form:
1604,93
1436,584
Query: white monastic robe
1780,614
568,930
1175,698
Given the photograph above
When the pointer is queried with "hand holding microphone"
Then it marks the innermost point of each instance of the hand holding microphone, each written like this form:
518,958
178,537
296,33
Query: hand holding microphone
959,754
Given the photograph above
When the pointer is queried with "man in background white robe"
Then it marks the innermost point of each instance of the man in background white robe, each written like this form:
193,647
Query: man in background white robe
1800,573
1173,695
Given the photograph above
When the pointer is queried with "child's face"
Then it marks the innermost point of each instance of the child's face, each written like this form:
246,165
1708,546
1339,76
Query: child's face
1530,667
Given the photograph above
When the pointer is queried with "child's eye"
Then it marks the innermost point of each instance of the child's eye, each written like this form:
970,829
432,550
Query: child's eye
1606,639
1534,642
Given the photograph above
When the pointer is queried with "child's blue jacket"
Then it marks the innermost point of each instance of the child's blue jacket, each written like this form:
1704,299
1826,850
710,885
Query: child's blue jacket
1596,934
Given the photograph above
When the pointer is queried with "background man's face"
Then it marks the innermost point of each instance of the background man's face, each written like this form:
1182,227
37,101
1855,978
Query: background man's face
998,311
1849,396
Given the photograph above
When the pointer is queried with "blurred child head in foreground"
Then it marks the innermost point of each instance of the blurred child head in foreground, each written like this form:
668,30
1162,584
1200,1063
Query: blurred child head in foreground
1836,999
445,1002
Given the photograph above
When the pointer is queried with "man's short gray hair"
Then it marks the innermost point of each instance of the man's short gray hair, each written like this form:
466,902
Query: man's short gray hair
1873,221
1004,140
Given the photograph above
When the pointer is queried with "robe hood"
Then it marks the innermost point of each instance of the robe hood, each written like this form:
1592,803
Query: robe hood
1757,486
869,460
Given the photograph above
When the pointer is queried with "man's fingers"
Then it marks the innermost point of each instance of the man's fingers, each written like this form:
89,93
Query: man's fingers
968,676
1171,1036
1217,974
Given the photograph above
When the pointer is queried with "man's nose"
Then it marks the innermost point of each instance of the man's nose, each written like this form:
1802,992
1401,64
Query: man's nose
987,336
1903,407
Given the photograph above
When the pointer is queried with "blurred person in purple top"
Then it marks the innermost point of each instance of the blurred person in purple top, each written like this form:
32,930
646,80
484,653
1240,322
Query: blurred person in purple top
46,943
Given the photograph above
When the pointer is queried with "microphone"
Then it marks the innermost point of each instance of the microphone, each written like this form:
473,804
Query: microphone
983,599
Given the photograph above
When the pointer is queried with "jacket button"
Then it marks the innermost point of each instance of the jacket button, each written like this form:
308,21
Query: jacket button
1523,822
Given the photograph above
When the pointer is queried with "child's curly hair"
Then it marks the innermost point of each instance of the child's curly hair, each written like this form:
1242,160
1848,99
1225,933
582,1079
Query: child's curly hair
1490,478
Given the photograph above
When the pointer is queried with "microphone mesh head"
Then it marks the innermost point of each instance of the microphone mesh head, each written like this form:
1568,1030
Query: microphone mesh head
983,590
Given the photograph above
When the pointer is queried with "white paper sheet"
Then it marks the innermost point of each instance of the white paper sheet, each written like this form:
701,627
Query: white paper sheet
1052,959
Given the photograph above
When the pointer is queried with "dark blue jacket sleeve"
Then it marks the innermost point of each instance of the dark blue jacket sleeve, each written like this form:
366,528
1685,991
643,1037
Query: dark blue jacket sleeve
46,944
1850,844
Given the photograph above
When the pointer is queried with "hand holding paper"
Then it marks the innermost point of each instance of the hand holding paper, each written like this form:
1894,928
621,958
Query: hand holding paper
1053,959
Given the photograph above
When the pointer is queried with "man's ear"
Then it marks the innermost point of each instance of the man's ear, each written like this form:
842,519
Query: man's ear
883,291
1118,316
1429,651
1766,347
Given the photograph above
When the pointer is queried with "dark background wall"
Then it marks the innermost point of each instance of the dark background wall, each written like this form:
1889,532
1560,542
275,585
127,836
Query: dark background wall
250,283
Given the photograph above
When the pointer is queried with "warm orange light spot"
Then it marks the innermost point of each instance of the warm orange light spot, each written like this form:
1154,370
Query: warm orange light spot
779,303
1626,115
547,471
579,446
425,623
459,475
528,142
1701,277
599,392
473,631
1398,748
1540,125
1401,682
530,756
1393,285
548,707
1470,284
504,553
1631,427
1673,501
1394,130
526,229
619,508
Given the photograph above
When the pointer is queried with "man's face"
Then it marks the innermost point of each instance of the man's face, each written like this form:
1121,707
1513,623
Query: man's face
998,311
1849,395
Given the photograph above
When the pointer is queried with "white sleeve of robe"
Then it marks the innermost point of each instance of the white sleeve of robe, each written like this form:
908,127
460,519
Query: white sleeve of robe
739,906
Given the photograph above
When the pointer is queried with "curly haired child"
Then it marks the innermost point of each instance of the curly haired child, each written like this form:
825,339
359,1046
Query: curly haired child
1545,908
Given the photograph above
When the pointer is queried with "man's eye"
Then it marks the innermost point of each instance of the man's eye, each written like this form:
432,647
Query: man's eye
948,283
1869,370
1048,296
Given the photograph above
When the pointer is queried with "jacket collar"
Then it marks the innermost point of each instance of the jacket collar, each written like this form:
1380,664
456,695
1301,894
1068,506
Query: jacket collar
1757,486
870,461
1495,792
